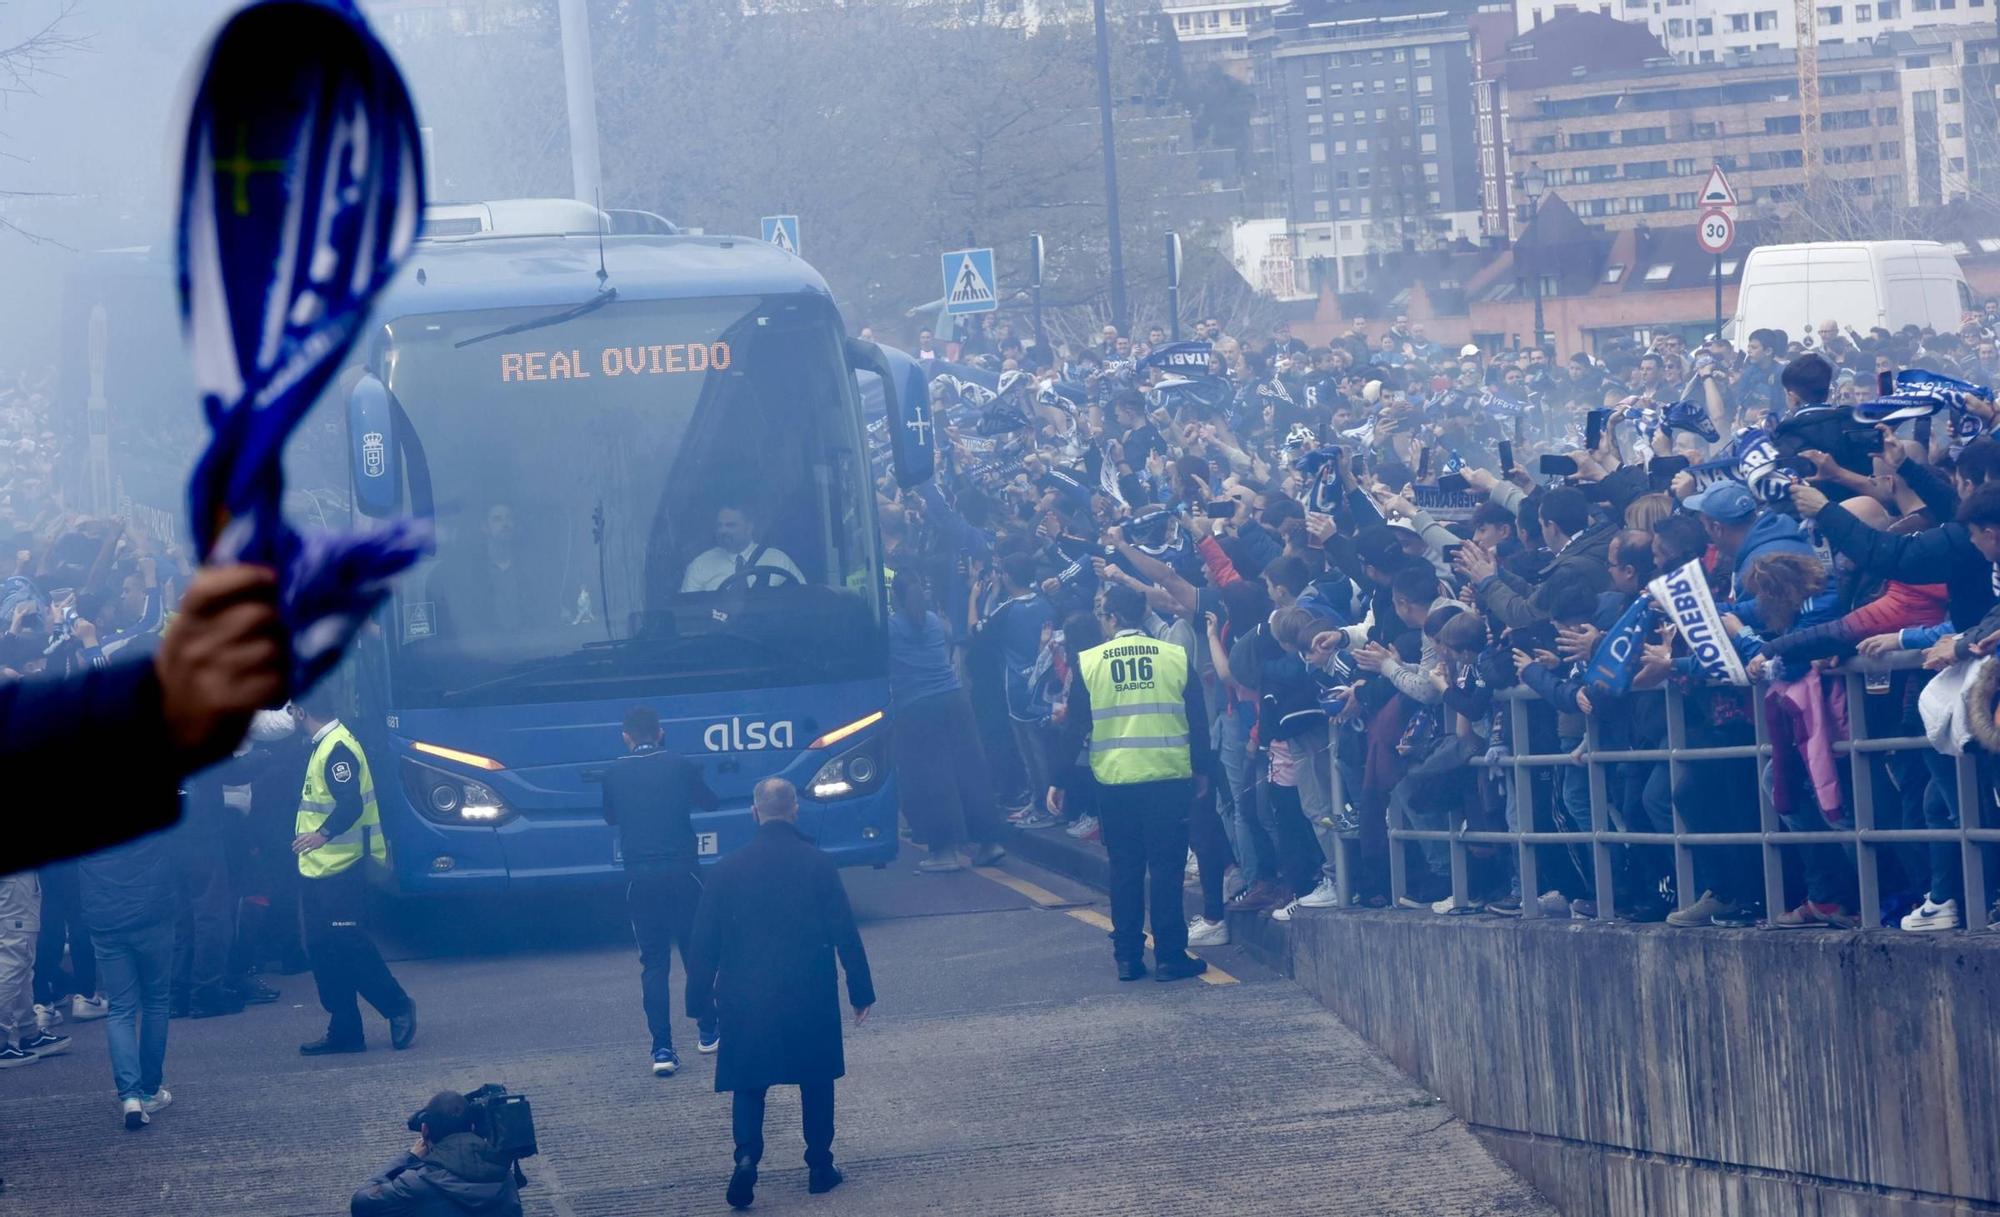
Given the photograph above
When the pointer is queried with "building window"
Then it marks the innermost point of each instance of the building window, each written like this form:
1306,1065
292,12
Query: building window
1683,166
1382,115
1347,207
1888,10
1424,86
1322,181
1342,179
1677,28
1783,124
1422,54
1767,20
1704,25
1427,116
1183,22
1830,16
1400,83
1361,147
1334,88
1886,116
1923,6
1236,16
1958,164
1614,272
1339,117
1686,200
1431,172
1891,150
1340,147
1428,141
1951,97
1312,95
1360,116
1660,273
1316,153
1863,12
1322,209
1739,23
1380,85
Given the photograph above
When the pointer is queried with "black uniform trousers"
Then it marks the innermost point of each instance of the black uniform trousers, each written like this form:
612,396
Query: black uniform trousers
345,962
662,906
815,1116
1144,827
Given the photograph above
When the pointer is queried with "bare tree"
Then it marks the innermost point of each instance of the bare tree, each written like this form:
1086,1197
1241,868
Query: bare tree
20,64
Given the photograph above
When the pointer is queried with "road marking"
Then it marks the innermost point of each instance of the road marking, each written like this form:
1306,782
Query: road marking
1034,891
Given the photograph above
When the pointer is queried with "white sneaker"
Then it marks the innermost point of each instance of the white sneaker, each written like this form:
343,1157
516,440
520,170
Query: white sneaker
1449,905
135,1115
1205,933
160,1098
1555,904
1193,868
50,1015
1085,826
84,1009
1285,913
1322,897
1929,916
1233,883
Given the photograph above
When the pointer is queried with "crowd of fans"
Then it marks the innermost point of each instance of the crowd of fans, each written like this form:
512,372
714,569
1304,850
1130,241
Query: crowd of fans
1365,545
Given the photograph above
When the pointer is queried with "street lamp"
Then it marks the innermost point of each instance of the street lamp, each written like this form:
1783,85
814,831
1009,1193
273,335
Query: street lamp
1533,182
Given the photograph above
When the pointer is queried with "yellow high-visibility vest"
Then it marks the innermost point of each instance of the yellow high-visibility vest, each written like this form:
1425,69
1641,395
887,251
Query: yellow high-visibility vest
1138,720
316,804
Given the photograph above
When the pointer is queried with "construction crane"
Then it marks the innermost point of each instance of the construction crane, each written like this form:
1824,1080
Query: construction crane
1807,20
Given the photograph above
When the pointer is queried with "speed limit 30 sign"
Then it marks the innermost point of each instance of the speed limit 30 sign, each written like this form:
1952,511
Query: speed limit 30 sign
1716,232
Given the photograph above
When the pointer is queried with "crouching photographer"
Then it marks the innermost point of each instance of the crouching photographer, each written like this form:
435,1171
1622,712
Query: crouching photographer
466,1160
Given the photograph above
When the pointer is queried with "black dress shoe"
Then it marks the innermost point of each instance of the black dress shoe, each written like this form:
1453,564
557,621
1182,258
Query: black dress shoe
1179,969
331,1047
742,1185
823,1179
1131,969
403,1028
254,992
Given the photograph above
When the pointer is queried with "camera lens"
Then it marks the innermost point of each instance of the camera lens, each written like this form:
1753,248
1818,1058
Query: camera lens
444,797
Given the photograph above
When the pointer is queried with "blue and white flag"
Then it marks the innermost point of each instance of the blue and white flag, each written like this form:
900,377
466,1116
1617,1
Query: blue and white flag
1684,596
1689,416
1616,660
1492,401
301,194
1185,357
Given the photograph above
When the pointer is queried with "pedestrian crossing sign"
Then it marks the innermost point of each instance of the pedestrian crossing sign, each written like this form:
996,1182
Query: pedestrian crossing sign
783,232
968,282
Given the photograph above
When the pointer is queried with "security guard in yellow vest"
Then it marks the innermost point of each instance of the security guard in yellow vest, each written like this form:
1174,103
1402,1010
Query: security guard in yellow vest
1131,701
339,836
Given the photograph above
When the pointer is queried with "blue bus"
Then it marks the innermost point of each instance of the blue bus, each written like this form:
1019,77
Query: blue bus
646,462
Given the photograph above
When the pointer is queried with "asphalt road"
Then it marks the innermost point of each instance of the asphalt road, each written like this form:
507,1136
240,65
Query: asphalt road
1005,1071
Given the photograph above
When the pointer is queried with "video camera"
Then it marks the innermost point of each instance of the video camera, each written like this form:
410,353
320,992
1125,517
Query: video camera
506,1122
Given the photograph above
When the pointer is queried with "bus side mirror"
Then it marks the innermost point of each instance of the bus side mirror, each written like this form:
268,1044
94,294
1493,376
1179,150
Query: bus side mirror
906,397
371,430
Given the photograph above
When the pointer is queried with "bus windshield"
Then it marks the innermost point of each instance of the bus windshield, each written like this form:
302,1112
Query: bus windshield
643,497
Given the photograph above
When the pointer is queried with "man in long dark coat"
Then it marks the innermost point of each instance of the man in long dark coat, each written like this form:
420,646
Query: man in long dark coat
772,919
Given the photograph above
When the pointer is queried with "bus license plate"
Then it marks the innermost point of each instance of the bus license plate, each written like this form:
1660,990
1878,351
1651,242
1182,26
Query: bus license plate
704,844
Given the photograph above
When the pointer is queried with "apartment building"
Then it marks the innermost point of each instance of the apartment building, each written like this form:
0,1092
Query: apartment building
1632,147
1217,31
1707,31
1364,122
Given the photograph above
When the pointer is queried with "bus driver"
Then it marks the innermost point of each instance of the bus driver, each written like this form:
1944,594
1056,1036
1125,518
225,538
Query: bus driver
737,551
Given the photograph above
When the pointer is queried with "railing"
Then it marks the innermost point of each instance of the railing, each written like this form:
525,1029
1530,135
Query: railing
1863,841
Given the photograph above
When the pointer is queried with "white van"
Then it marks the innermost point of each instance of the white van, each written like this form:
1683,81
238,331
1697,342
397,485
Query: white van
1856,284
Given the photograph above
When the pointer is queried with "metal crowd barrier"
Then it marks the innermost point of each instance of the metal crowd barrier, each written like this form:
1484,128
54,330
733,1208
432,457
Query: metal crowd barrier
1863,842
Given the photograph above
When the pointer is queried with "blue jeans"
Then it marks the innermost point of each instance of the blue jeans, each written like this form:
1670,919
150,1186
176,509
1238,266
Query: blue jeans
136,969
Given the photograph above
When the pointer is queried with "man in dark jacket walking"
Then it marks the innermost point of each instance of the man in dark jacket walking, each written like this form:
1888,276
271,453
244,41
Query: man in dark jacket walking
772,919
449,1172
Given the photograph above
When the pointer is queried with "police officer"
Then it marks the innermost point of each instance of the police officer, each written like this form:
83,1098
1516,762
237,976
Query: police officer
338,826
1131,702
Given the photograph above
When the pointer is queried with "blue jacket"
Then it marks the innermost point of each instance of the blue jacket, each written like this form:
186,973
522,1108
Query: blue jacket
920,659
130,886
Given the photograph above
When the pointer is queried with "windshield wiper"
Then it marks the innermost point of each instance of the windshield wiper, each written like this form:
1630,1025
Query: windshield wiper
602,298
591,662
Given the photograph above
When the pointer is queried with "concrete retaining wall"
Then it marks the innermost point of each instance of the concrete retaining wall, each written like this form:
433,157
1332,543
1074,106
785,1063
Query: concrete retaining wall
1637,1071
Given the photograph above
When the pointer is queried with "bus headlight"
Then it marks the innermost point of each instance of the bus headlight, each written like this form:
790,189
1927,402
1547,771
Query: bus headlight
856,771
447,798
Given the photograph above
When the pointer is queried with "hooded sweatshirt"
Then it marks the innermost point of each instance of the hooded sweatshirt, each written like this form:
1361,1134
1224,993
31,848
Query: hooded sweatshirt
459,1175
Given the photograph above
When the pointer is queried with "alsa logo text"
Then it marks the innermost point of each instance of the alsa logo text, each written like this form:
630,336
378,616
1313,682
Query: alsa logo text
739,736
